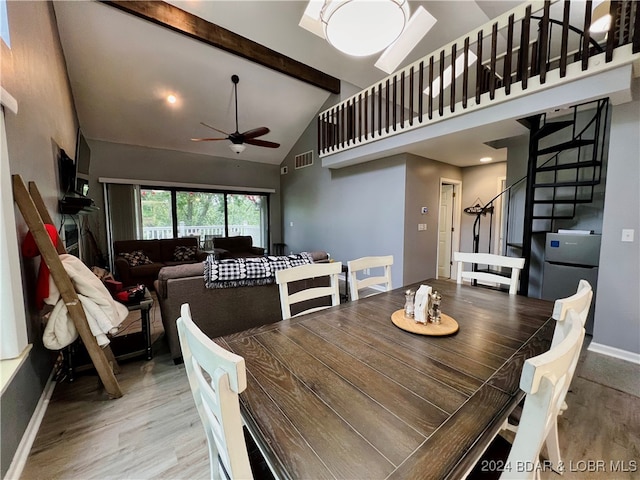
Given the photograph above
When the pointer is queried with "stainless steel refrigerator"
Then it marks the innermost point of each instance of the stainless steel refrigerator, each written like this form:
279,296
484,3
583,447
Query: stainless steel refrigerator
568,258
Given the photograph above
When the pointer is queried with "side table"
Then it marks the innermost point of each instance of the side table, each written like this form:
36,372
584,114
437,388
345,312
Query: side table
71,352
145,307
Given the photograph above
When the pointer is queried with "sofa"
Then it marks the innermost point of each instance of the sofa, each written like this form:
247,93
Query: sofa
222,311
240,246
133,267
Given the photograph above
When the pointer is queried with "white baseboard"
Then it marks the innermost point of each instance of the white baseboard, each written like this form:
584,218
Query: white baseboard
29,436
614,352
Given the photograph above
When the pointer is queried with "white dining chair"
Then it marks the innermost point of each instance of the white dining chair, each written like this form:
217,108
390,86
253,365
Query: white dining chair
580,304
490,260
361,264
307,272
216,377
579,301
545,379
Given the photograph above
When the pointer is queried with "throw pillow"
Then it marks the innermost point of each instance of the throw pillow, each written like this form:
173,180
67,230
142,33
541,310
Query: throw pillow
136,258
182,253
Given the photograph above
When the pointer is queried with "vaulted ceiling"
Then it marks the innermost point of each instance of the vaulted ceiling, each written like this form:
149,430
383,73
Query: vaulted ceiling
122,67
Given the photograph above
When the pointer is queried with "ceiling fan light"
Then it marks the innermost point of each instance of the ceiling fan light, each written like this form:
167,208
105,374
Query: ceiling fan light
237,147
363,27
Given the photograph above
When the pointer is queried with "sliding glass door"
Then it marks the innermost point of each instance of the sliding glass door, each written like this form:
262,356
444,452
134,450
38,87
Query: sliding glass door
173,212
247,215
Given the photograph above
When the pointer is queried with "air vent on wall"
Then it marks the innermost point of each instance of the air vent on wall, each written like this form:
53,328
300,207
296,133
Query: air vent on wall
304,159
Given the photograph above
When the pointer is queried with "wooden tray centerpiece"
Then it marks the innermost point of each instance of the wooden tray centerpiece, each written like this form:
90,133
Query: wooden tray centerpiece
447,325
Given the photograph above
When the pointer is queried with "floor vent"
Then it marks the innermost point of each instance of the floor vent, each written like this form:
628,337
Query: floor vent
304,159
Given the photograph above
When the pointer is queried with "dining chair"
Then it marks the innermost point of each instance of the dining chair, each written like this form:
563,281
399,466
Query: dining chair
580,304
490,260
579,301
364,263
216,377
307,272
545,379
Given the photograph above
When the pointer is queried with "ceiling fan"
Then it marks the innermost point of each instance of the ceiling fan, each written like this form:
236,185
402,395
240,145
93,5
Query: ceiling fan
239,139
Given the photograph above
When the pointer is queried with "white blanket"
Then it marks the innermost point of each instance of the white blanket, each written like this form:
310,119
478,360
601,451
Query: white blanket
104,314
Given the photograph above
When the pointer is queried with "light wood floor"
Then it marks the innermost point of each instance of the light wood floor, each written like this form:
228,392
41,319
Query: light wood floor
153,431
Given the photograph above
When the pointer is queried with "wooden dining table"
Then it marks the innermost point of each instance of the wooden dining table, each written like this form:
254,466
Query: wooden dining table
345,394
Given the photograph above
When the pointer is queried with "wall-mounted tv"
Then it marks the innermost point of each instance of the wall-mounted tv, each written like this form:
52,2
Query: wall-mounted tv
83,159
67,172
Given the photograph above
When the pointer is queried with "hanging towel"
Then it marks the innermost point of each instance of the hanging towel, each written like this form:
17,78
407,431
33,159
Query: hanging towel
103,313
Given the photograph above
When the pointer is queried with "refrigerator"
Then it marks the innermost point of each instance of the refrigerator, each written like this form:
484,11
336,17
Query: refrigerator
568,258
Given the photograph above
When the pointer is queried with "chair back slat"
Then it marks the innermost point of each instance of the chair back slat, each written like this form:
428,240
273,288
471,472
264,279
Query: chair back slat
360,264
305,272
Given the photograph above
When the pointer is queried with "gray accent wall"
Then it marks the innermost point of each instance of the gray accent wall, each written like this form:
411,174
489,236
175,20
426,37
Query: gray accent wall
349,213
114,160
367,209
617,311
35,75
423,190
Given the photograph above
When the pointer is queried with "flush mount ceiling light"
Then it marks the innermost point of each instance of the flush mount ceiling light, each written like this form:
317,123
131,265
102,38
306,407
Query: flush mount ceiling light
363,27
419,24
600,18
171,98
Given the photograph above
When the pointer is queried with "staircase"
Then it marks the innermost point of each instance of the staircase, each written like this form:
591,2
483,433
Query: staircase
564,167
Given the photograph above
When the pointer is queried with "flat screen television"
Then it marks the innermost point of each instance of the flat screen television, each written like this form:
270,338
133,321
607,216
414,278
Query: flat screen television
83,159
67,171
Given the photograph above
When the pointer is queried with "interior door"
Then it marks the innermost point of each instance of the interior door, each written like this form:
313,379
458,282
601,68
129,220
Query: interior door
445,231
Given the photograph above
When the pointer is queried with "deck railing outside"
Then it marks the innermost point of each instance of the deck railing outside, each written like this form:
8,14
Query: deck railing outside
529,41
255,231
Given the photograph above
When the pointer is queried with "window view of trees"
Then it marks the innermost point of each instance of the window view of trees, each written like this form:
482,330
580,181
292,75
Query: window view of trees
203,213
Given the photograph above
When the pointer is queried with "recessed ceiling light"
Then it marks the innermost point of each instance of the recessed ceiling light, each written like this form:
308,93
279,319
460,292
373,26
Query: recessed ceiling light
486,159
172,98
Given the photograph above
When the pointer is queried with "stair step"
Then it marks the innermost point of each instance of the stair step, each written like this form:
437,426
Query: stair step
528,122
566,146
552,127
564,202
569,166
582,183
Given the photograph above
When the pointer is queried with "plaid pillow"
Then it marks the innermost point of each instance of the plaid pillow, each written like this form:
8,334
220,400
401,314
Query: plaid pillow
182,253
136,258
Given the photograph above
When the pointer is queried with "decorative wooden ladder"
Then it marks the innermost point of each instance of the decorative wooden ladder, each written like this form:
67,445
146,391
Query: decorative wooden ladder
36,215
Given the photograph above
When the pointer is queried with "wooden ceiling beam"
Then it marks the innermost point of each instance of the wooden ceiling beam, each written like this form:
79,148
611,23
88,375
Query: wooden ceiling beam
169,16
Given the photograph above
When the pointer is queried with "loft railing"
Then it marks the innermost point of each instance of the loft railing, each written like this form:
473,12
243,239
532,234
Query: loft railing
529,41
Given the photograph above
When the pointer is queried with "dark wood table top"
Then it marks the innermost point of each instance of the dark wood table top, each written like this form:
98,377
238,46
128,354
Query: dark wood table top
344,393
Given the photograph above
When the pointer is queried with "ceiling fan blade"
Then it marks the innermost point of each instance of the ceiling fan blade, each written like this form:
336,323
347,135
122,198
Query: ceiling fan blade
261,143
213,128
256,132
206,139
